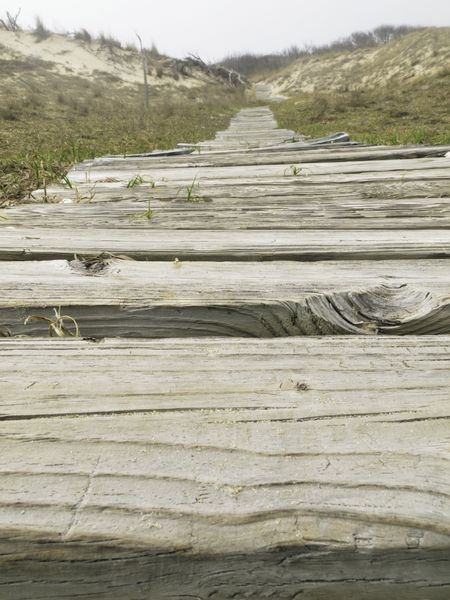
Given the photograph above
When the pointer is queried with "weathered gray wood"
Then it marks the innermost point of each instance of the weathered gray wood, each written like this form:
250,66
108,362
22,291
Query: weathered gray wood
179,299
318,468
171,374
161,244
384,187
228,469
339,172
252,127
287,155
316,210
288,189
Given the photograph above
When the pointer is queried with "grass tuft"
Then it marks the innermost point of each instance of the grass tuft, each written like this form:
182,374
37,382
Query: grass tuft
148,214
134,181
57,325
292,171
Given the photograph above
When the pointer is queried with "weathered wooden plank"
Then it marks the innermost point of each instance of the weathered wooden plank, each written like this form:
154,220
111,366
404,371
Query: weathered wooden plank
340,171
185,299
286,156
267,374
50,243
315,467
346,211
290,144
286,188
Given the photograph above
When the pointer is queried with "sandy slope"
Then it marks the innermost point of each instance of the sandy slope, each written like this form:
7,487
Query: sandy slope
68,56
418,53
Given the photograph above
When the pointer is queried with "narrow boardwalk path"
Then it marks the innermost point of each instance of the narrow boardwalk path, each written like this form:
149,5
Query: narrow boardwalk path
250,128
257,403
263,91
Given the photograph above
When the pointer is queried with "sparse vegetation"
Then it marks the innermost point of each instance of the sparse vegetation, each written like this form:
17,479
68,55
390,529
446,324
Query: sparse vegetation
411,113
40,31
139,180
66,181
190,190
49,120
57,325
59,133
83,35
86,196
109,42
292,171
258,66
148,214
154,52
10,21
134,181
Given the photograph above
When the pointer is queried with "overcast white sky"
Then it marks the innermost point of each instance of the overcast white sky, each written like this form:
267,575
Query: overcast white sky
215,28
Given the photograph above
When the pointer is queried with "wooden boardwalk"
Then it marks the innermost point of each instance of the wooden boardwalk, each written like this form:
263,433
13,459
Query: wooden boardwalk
257,405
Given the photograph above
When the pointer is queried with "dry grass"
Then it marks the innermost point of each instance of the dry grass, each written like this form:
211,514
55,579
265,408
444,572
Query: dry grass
53,114
396,63
411,113
54,120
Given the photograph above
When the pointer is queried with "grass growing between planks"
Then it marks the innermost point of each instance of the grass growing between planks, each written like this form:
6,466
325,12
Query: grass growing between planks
414,113
58,120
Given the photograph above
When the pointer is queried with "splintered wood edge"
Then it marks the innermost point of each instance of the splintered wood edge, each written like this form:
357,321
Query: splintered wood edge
106,296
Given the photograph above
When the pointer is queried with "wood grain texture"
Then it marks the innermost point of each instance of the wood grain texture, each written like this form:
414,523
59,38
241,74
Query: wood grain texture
318,209
287,154
403,169
111,297
311,467
293,188
150,243
401,179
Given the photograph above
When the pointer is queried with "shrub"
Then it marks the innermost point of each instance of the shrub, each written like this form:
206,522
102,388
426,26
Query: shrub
154,52
83,35
110,43
40,31
9,22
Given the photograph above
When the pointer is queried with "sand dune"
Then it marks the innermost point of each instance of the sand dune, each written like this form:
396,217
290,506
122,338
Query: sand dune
418,53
